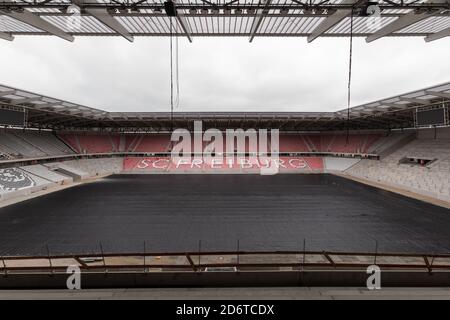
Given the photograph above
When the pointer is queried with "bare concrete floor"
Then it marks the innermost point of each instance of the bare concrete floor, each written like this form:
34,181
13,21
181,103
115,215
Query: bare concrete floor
290,293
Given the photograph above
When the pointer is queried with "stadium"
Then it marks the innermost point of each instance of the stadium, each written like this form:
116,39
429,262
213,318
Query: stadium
115,193
99,190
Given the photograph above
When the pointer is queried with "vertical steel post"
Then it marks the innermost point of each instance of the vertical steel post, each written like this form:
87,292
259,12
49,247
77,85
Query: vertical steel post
103,257
199,253
238,257
145,260
5,273
376,252
49,259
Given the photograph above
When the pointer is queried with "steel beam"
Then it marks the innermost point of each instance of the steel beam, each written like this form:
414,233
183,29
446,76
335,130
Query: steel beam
402,22
46,106
413,100
393,106
331,21
104,17
39,23
438,94
438,35
6,36
258,19
183,23
7,93
24,100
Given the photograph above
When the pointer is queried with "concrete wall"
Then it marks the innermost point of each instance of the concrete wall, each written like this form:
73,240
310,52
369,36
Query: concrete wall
310,278
339,164
441,133
97,167
47,174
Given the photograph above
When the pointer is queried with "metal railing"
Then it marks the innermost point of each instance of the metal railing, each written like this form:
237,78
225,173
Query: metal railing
233,260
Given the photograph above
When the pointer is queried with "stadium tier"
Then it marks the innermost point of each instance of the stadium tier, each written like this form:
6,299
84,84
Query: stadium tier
161,143
329,143
96,167
16,144
379,143
423,166
414,159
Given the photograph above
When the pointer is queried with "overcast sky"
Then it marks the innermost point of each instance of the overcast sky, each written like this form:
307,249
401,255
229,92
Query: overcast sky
222,74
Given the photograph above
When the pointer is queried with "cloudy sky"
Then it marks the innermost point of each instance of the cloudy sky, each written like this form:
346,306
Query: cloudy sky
222,74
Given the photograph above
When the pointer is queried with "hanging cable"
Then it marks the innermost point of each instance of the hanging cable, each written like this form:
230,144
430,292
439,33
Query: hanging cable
349,75
171,75
177,76
174,98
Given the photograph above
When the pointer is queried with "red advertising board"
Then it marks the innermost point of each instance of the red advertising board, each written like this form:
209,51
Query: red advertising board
228,164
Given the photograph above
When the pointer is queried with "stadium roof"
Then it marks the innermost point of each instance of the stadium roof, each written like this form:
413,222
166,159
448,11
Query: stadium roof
393,112
250,18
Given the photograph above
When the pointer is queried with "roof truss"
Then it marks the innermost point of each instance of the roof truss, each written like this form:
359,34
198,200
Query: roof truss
331,21
6,36
438,35
37,22
249,18
393,112
104,17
